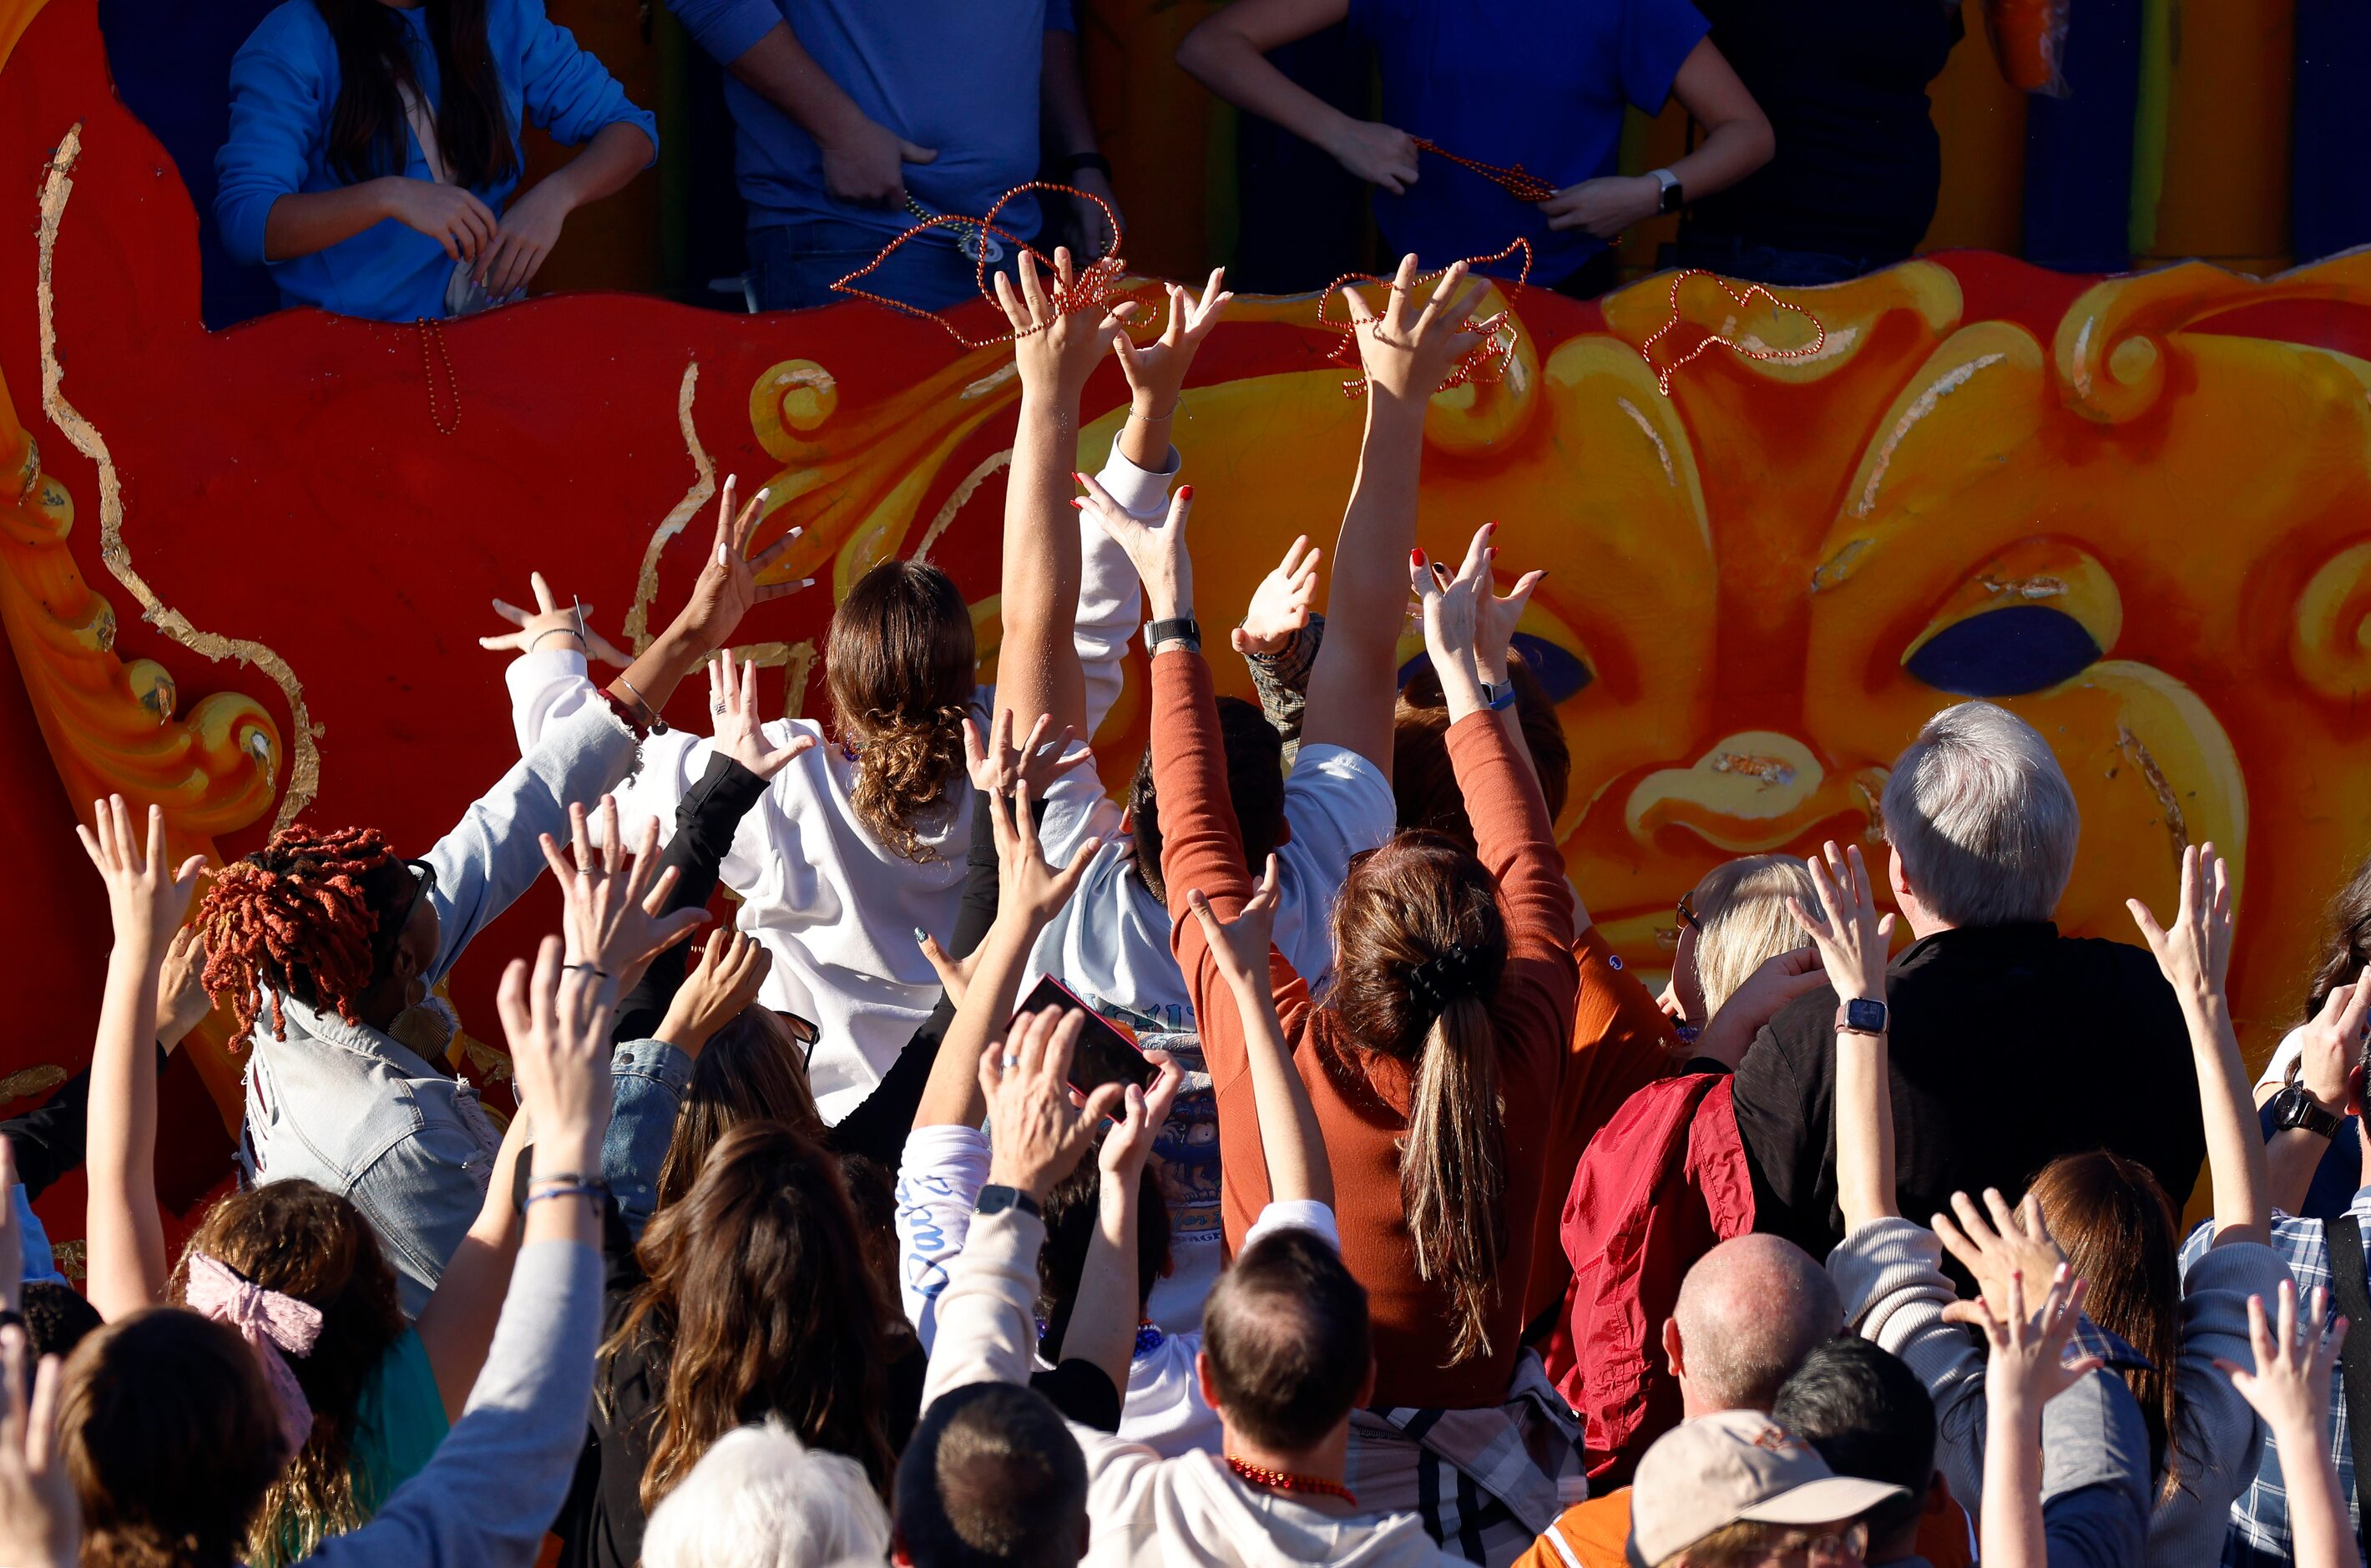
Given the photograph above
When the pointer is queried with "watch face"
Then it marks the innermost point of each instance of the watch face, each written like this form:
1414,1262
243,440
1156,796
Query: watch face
1862,1014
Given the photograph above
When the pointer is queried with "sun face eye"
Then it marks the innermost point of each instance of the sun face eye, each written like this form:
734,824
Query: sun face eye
1562,673
2036,615
2004,652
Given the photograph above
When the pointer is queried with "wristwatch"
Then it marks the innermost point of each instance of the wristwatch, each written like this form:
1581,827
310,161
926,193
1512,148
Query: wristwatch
2292,1106
1672,198
1861,1016
1182,629
994,1199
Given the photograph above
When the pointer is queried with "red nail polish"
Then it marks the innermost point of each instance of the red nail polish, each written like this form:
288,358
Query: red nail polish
1415,557
1079,503
1494,552
1184,493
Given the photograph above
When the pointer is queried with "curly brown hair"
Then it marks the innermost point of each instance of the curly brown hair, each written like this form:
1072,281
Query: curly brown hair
901,666
306,1241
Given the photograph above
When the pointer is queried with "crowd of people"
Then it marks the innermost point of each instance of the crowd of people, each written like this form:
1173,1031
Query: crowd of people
1401,1224
373,163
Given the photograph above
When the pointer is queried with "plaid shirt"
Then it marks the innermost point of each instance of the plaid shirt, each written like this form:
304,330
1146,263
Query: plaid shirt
2260,1518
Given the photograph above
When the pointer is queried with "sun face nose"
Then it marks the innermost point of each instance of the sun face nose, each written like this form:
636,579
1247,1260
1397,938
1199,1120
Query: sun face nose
1751,793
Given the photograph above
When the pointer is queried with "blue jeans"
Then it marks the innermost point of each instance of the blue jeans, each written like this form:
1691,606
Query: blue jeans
793,265
1749,263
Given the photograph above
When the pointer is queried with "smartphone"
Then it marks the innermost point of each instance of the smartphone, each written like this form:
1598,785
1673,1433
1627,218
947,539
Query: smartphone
1105,1054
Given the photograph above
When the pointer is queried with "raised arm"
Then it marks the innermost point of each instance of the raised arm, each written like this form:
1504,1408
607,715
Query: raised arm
1851,940
146,898
1105,1317
2027,1370
2329,1052
1409,352
1056,348
2289,1386
1291,1141
1228,53
2195,955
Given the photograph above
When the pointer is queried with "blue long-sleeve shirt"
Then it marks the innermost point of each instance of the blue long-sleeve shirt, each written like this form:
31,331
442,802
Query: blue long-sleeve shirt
284,85
960,77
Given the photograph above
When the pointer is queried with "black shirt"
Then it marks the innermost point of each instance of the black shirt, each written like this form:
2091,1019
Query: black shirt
1844,82
2010,1046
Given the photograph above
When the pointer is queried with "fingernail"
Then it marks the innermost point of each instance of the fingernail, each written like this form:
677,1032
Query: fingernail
1184,493
920,935
1077,475
1078,503
1415,557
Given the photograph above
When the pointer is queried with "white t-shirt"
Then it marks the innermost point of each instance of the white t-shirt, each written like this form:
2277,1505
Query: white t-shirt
2284,1056
939,1178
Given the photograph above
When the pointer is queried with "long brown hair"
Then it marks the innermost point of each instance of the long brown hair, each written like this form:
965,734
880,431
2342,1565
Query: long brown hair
367,123
170,1437
752,1070
306,1241
759,1304
2346,940
902,669
1419,947
2120,1232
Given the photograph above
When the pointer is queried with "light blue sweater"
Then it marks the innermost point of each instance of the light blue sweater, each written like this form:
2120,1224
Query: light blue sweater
284,85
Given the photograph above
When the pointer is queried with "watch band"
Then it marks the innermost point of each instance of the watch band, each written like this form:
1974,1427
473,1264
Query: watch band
995,1199
2292,1106
1180,629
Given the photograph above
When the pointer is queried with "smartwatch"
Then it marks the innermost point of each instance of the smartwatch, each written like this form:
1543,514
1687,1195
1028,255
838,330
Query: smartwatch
2292,1106
994,1199
1672,197
1182,629
1861,1016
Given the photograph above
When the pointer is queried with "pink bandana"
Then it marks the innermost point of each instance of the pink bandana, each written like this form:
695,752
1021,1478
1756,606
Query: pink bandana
277,1327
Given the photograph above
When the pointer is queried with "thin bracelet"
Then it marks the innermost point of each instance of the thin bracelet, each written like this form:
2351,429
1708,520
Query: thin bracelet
595,1194
595,968
566,1179
555,632
1157,418
657,726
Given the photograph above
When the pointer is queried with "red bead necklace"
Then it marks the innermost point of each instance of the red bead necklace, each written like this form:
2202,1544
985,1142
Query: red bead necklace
1284,1481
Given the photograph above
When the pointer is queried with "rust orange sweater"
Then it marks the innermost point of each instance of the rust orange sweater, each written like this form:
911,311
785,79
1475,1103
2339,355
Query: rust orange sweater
1362,1097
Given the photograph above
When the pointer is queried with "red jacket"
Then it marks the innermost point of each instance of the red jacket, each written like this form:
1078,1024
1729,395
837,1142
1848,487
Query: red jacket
1663,1183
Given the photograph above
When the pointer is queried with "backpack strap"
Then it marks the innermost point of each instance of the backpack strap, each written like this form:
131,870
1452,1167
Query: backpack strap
2350,1295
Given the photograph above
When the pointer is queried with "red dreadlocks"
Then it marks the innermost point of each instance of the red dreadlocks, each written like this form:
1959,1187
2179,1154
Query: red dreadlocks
293,917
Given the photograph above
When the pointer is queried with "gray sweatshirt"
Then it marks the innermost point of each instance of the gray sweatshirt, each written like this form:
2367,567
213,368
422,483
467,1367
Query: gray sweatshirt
1891,1277
487,1498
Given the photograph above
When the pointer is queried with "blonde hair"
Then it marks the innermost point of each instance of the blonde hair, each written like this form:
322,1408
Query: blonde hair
1743,922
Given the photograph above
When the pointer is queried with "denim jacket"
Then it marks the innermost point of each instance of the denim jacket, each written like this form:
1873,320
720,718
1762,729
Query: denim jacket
351,1109
647,1078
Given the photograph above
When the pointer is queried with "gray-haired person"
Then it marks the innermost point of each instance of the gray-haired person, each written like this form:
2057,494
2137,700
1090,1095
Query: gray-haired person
2011,1044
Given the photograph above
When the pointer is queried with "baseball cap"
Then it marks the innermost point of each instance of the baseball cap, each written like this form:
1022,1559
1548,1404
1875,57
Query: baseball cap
1722,1470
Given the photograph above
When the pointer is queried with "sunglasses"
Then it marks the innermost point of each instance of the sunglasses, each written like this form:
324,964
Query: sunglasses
807,1031
424,882
1685,915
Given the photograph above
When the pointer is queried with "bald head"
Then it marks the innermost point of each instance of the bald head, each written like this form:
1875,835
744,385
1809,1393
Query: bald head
1749,1312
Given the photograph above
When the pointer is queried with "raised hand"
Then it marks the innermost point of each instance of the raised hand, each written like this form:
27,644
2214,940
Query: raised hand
1409,353
1157,550
1128,1147
1845,928
1240,947
731,971
1036,1135
2028,1366
552,624
996,764
728,582
740,734
1280,604
145,898
182,1000
556,1020
1057,348
1496,617
2290,1389
2333,1039
613,899
2193,949
1030,891
1993,1243
1452,619
41,1521
1156,370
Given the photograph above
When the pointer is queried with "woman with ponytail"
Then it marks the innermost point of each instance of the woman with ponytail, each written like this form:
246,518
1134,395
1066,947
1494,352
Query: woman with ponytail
373,142
1432,1061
